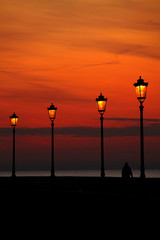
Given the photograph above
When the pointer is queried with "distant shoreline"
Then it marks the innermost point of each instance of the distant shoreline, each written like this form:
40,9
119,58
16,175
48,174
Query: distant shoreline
150,173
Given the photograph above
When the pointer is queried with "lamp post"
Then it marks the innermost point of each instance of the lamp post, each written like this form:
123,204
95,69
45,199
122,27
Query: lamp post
52,115
141,89
13,120
101,101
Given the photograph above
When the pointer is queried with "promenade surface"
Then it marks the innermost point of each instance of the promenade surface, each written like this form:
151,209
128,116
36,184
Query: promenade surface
82,187
77,198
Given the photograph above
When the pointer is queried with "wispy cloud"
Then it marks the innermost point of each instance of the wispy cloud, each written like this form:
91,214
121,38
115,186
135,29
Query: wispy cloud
121,48
152,130
70,22
153,120
99,64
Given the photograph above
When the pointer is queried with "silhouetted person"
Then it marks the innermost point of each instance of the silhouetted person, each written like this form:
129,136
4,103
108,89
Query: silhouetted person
126,172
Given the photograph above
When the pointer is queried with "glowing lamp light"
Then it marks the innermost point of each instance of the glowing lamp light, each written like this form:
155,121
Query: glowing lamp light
52,112
101,101
141,89
14,119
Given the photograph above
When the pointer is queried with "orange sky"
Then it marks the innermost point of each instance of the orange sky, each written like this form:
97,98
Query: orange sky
67,52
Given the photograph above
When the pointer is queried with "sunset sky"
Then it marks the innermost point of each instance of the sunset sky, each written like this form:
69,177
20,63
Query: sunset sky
67,52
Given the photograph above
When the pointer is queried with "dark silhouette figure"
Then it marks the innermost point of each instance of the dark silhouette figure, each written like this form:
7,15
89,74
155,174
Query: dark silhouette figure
126,172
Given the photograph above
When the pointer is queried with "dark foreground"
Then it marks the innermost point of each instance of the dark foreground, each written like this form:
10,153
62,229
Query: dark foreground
91,188
71,199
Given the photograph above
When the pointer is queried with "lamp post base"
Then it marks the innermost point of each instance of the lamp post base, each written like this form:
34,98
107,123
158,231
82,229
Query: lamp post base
142,175
103,174
52,175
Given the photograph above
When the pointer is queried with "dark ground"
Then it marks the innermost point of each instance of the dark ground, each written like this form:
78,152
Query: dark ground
84,188
87,204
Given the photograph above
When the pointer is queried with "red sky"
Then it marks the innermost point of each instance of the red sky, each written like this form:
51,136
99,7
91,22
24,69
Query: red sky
67,52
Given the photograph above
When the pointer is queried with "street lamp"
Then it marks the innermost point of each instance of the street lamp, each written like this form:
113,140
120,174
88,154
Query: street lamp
14,120
101,101
141,89
52,115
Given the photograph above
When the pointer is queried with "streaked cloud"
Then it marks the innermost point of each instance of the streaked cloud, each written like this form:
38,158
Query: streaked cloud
152,130
99,64
75,22
69,50
153,120
121,48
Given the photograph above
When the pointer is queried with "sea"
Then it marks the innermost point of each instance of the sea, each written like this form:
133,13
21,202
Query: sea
149,173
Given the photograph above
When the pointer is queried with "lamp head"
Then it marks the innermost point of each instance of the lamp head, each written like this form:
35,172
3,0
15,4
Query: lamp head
101,101
141,89
52,112
14,120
